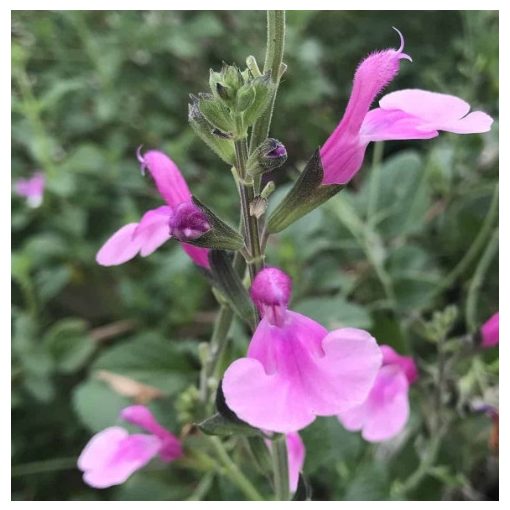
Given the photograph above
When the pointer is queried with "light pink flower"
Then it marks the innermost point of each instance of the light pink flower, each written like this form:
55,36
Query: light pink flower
113,455
295,370
385,412
402,115
490,332
32,189
180,219
295,457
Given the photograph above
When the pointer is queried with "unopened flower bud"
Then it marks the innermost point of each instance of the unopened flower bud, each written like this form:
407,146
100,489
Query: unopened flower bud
270,154
258,206
188,222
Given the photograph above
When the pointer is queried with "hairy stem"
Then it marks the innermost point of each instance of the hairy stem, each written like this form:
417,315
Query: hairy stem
251,224
273,62
280,468
477,280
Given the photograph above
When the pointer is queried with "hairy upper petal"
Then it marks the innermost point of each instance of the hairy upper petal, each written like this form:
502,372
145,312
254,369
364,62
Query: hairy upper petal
167,176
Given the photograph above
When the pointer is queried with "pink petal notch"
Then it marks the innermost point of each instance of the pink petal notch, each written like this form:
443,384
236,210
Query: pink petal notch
384,413
295,370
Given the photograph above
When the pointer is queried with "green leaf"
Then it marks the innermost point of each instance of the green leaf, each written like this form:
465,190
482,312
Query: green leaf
149,358
231,286
218,425
69,344
334,312
97,406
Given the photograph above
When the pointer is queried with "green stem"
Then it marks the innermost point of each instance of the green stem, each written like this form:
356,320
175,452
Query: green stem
477,280
476,246
375,177
251,224
281,468
43,466
233,471
273,62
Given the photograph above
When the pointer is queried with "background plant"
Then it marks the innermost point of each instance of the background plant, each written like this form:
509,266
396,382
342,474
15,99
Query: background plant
89,87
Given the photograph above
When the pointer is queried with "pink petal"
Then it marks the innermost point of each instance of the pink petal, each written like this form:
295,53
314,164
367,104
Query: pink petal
296,458
382,125
141,416
153,230
406,363
490,331
200,256
120,248
386,410
168,178
112,456
343,152
441,112
298,371
428,106
475,122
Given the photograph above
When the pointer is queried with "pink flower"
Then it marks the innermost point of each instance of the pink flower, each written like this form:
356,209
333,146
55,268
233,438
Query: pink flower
32,189
295,370
180,219
490,332
295,457
402,115
113,455
384,413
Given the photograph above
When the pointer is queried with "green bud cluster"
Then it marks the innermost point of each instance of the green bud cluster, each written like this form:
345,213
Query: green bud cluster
237,99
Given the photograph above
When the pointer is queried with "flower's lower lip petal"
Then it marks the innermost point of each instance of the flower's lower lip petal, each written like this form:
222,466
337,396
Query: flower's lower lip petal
265,401
126,457
349,367
120,247
475,122
388,406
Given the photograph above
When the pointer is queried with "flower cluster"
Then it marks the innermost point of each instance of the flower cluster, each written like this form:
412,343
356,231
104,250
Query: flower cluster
294,369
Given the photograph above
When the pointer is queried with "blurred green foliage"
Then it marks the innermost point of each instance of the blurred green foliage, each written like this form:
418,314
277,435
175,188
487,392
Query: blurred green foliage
90,87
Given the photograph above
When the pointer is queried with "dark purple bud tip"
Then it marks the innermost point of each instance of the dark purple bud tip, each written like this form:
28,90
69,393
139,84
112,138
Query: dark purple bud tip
188,222
278,151
270,291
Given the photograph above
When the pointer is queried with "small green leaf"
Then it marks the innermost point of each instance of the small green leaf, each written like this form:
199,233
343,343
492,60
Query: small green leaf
218,425
303,491
231,286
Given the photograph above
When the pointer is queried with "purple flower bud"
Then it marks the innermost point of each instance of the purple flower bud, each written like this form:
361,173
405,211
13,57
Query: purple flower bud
270,291
278,152
188,222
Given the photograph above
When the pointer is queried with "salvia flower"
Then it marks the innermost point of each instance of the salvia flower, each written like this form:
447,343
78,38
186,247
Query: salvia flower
32,189
180,218
295,369
490,331
385,412
295,457
113,455
402,115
